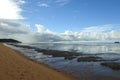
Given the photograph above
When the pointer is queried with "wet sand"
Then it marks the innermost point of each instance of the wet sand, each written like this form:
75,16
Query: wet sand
14,66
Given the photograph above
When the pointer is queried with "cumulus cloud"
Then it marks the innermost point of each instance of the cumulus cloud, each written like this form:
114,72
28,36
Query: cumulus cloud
105,32
44,34
16,30
10,9
11,27
42,29
102,32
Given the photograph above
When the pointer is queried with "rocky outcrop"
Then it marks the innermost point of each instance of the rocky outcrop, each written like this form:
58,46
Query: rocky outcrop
9,41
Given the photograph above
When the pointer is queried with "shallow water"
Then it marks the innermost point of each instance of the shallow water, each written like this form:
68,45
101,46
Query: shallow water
85,47
83,70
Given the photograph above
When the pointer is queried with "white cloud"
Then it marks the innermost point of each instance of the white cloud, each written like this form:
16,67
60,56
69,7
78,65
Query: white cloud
101,28
43,5
44,34
42,29
10,9
22,32
49,3
14,29
62,2
102,32
21,1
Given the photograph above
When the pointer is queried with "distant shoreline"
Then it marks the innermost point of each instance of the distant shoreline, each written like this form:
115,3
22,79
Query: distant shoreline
15,66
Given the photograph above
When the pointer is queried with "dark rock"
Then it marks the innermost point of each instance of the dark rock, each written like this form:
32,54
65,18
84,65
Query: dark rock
116,42
90,59
55,53
70,57
23,46
9,41
112,65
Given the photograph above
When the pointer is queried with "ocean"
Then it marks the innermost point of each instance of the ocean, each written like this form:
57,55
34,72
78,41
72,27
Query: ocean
89,63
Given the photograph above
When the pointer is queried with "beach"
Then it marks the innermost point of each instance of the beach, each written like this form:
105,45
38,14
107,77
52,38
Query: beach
14,66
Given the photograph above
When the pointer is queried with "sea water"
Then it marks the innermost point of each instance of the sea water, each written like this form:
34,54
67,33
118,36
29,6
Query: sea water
82,70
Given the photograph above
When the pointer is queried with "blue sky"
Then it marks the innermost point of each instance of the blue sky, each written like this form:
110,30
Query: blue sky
60,20
71,15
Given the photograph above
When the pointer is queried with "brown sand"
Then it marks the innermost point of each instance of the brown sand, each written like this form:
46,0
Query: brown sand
14,66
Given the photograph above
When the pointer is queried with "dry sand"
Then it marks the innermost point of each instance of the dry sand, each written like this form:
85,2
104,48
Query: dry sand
14,66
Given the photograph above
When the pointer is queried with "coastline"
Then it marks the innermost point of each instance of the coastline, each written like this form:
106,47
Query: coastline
15,66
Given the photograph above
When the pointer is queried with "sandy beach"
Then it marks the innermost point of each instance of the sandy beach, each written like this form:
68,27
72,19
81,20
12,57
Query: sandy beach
14,66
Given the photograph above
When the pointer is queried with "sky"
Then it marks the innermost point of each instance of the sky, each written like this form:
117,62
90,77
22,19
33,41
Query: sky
56,20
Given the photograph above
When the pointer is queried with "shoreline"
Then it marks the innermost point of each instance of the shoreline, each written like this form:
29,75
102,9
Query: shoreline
16,66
